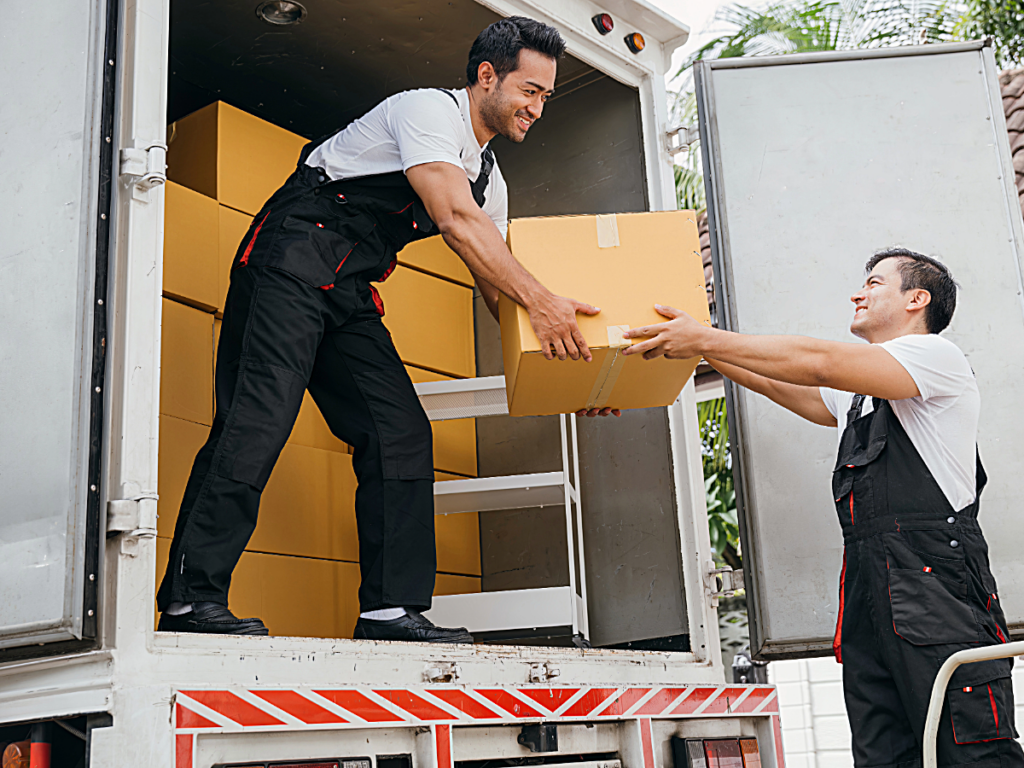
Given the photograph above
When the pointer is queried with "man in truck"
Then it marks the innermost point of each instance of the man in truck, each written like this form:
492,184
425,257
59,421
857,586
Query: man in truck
915,584
301,313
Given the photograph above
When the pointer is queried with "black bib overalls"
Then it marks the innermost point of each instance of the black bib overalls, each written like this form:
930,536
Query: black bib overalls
915,588
301,313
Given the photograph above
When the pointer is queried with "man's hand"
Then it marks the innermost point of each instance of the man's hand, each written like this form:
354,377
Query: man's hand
554,321
679,339
599,412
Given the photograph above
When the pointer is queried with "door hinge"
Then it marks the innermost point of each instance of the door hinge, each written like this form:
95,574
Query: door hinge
144,169
445,672
135,516
680,138
543,672
721,582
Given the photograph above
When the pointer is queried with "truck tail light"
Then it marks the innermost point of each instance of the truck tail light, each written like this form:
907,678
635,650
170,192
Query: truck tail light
715,753
604,23
635,42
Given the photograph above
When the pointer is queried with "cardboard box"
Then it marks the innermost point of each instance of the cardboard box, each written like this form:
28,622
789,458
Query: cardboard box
232,228
308,506
190,247
186,363
434,256
231,156
431,321
454,440
458,539
623,264
447,584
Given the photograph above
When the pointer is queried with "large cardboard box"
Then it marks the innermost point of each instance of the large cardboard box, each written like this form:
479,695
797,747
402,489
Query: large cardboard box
624,264
231,156
186,363
434,256
190,247
431,321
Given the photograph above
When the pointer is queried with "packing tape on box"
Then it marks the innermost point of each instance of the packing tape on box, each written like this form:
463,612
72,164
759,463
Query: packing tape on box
610,369
607,231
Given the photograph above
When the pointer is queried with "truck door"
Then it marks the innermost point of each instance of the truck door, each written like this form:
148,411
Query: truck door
55,163
812,163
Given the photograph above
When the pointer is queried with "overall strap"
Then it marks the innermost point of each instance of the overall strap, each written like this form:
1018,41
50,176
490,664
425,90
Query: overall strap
480,185
855,407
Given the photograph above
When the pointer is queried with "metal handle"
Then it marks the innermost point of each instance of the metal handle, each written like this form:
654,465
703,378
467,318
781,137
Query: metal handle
931,723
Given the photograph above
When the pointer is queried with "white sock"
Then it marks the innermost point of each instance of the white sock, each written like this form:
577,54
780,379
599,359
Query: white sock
383,614
177,609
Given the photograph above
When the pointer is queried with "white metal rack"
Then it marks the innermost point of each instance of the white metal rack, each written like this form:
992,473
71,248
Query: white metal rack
520,613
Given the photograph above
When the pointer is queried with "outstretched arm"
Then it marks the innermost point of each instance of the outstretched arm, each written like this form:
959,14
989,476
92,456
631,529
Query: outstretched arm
470,232
866,369
801,400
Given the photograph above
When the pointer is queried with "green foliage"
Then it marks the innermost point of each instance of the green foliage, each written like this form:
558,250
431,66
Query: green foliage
719,492
1003,20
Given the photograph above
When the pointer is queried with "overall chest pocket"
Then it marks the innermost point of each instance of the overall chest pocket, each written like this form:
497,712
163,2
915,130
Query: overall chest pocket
853,481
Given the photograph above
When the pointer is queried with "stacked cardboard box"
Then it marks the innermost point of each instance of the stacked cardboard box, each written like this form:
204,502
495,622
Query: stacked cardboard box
300,572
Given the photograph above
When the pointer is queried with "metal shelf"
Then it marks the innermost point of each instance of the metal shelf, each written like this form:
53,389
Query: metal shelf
463,398
485,494
538,613
493,613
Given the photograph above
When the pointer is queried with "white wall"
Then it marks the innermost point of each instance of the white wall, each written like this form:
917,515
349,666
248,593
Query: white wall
815,732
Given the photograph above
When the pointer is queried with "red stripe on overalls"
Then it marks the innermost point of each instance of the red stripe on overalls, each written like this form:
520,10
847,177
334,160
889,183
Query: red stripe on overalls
837,641
248,249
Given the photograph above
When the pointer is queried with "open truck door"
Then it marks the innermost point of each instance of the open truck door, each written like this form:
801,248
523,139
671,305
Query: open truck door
56,169
812,163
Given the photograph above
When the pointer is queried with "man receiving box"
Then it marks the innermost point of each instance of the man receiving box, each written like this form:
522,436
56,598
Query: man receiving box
301,313
915,585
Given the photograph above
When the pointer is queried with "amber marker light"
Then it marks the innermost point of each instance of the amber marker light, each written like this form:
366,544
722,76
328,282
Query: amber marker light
603,22
635,42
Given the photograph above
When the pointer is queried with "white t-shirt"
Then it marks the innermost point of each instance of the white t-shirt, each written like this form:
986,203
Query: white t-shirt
942,422
412,128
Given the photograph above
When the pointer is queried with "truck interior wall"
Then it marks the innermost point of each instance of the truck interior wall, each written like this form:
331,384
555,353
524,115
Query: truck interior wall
584,156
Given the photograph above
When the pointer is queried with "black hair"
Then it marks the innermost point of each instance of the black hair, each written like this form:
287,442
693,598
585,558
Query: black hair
926,273
501,43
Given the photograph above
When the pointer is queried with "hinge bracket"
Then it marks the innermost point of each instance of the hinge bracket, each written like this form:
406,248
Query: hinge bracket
543,672
144,169
135,516
680,138
721,582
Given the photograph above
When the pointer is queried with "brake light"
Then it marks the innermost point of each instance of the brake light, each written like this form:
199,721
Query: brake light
715,753
603,22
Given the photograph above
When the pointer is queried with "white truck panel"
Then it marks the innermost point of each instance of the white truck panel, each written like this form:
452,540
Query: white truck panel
818,162
51,127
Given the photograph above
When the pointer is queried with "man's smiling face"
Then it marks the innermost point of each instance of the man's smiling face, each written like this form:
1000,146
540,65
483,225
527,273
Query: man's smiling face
516,102
880,305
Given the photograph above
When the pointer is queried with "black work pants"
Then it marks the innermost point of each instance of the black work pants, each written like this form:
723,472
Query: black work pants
279,337
897,632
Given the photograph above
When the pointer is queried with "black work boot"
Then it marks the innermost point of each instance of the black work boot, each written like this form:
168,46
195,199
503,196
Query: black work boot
412,627
212,619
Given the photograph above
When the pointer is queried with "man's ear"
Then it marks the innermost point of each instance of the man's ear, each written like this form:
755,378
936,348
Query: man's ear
486,77
919,299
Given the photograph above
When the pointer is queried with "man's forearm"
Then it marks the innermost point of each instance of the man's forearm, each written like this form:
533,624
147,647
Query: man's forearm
474,237
801,400
793,359
489,293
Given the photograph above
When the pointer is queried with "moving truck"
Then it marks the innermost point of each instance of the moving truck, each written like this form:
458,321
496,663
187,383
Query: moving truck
578,549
